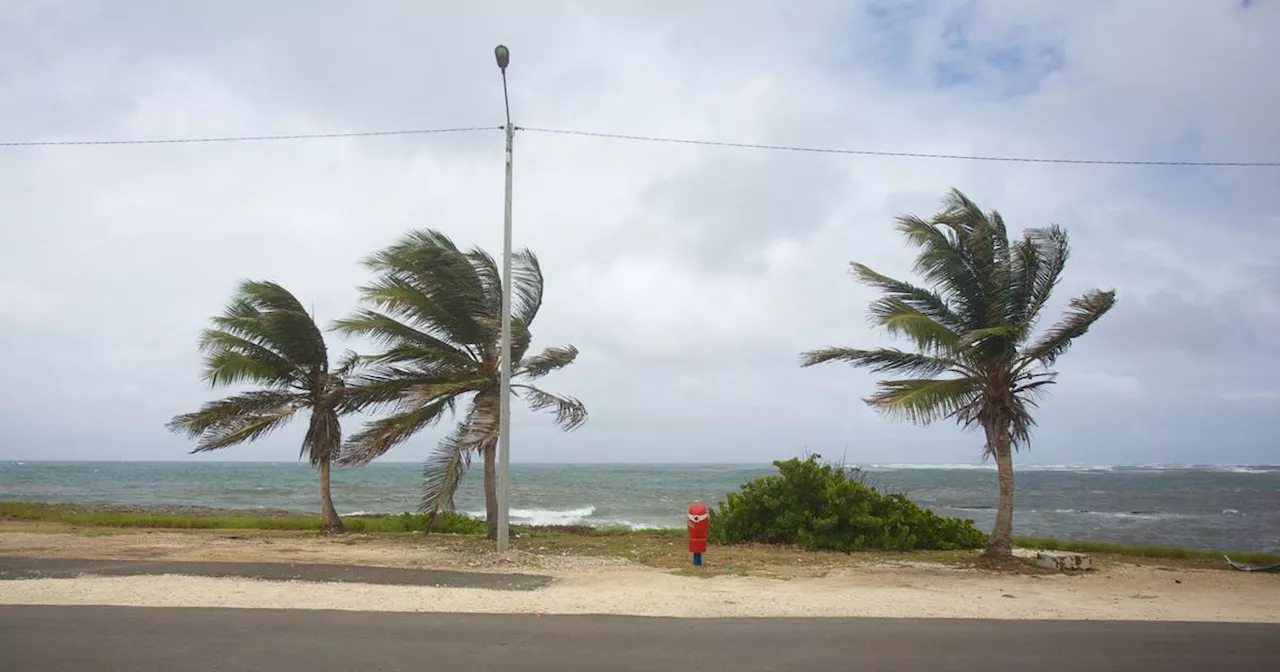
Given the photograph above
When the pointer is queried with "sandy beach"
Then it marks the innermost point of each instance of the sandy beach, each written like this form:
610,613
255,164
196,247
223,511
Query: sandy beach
860,585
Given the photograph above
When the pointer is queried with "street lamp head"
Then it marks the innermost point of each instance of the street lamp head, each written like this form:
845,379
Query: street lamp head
503,55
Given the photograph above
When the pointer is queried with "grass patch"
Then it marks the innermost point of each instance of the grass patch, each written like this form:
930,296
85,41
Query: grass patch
1135,551
451,523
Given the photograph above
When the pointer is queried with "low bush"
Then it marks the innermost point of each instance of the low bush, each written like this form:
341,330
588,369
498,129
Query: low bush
821,506
446,522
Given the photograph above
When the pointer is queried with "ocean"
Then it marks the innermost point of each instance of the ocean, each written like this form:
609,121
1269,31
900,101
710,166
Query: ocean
1205,507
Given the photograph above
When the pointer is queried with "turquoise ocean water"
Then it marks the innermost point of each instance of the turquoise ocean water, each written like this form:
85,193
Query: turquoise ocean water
1206,507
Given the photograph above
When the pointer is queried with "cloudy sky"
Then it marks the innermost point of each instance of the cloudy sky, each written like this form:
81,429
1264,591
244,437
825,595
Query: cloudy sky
689,276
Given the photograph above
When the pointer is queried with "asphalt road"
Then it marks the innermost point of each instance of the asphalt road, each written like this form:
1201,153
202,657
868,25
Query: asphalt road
14,568
119,639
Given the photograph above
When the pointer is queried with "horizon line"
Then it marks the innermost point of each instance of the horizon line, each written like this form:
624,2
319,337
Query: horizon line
689,463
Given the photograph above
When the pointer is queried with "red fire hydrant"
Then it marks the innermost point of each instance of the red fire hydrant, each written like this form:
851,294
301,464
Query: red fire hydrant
698,521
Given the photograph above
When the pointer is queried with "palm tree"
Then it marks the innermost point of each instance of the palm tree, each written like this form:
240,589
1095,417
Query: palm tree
437,311
266,337
975,359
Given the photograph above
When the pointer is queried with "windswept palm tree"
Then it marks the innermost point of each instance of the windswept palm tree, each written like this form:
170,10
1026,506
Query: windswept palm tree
266,337
975,357
437,311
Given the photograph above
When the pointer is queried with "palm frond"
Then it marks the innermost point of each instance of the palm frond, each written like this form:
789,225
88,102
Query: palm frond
230,360
489,279
450,291
241,428
943,263
348,364
222,411
983,243
901,319
550,359
924,401
264,335
526,287
443,471
1024,267
408,387
884,360
434,303
1081,313
324,437
570,412
1007,333
271,316
1030,391
927,302
386,330
1052,250
521,339
379,436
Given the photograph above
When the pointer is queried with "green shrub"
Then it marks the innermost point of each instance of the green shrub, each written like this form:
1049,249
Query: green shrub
820,506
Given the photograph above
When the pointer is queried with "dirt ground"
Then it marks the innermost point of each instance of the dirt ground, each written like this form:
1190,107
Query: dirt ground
640,576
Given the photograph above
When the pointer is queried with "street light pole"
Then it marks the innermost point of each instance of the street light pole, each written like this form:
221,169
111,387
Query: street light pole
503,56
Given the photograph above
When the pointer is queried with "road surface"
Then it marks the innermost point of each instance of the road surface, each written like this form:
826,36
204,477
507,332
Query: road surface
120,639
12,568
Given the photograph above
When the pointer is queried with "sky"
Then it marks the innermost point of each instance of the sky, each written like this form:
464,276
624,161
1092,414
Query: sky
690,277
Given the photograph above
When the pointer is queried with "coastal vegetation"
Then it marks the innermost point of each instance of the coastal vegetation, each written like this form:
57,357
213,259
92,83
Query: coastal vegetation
127,517
266,338
976,357
436,311
819,506
659,548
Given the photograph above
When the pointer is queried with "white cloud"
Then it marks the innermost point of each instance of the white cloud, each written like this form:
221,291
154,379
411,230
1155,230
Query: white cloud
690,276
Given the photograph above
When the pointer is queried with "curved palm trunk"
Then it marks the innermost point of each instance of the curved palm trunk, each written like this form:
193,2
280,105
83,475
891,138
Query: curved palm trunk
332,523
490,488
1000,545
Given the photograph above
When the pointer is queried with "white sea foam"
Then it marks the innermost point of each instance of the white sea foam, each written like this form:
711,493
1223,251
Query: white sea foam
989,466
940,467
1079,468
1247,470
546,516
552,516
1130,515
635,526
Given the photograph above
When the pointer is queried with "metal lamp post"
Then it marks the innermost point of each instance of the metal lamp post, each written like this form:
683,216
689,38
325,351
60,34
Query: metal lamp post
503,55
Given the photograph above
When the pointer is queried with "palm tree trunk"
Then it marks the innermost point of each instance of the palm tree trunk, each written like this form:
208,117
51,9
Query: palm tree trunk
490,488
332,523
1000,545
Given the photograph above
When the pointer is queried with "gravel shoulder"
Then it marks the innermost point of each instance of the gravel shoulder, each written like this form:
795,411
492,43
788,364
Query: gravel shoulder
583,584
26,568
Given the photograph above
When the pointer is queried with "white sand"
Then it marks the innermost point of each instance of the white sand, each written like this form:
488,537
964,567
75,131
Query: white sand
1122,594
612,586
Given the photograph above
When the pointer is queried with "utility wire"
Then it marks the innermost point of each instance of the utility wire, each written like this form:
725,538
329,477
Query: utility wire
648,138
918,155
248,138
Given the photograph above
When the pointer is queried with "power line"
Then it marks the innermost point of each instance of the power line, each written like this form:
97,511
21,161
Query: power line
248,138
649,138
917,155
